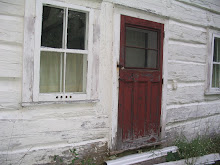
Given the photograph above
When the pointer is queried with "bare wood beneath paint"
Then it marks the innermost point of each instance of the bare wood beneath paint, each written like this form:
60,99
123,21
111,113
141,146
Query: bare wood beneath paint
138,147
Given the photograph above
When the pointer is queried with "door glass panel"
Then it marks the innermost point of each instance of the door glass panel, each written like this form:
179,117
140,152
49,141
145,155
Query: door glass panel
216,76
216,56
75,73
51,72
76,30
140,58
141,38
52,27
151,59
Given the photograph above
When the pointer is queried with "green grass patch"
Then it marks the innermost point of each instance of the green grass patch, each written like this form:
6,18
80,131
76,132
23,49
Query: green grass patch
197,147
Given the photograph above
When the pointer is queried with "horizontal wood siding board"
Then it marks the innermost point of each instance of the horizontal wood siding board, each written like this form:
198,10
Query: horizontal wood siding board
11,31
12,7
190,112
204,126
186,72
187,34
187,52
211,5
188,94
175,10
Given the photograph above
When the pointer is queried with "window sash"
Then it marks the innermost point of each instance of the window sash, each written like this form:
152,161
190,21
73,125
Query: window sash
37,96
213,89
76,51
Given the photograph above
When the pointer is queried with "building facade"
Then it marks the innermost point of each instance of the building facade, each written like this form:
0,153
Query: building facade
105,75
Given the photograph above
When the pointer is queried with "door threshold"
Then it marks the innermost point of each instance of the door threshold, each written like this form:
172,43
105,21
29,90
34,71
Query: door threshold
136,148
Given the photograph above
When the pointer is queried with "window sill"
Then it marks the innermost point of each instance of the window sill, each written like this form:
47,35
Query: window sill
27,104
213,92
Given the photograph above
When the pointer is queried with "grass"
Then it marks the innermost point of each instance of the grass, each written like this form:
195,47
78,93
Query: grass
197,147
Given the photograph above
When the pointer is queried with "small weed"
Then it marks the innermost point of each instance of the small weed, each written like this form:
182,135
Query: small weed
59,160
197,147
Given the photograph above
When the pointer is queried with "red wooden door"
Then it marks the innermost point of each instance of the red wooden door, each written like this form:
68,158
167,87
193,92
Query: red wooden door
140,82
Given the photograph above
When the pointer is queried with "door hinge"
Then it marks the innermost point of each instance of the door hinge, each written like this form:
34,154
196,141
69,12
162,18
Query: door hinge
160,129
164,34
162,81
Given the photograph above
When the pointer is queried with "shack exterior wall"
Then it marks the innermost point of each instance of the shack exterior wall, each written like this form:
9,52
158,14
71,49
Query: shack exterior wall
31,134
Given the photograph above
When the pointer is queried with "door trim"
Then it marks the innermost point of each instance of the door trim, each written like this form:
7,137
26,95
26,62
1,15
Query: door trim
118,11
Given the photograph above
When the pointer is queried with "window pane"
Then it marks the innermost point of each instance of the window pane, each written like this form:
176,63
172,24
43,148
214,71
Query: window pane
216,56
52,27
141,38
216,76
76,30
75,73
140,58
51,72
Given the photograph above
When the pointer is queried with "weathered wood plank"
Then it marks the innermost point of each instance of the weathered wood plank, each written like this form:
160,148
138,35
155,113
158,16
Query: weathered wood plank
186,72
97,149
10,84
191,129
96,53
187,13
188,94
187,33
174,10
10,69
190,112
28,57
88,3
210,5
187,52
12,7
11,29
56,111
71,130
9,99
156,6
10,60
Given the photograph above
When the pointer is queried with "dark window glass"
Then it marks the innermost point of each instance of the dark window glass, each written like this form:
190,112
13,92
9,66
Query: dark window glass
141,48
140,58
216,56
76,30
52,27
141,38
216,76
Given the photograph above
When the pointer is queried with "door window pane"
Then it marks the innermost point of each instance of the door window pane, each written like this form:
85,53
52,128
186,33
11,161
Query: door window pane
51,72
216,76
52,27
216,56
76,30
75,73
140,58
141,38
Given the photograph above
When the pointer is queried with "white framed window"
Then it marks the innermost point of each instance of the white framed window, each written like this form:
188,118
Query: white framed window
213,86
62,56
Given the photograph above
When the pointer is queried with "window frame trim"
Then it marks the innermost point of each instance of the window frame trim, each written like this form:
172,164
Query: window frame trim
209,89
75,96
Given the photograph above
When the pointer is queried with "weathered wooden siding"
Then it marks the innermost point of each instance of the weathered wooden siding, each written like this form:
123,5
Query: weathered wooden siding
189,111
11,44
40,131
48,129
